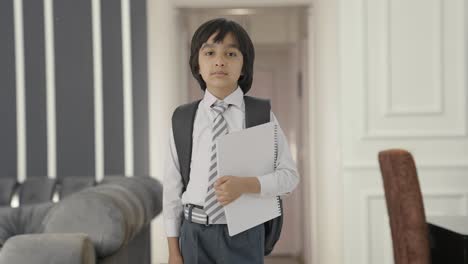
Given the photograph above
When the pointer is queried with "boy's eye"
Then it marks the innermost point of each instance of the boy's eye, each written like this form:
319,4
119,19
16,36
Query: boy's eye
209,53
232,54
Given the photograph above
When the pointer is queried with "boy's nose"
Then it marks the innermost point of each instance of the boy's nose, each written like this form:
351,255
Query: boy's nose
220,62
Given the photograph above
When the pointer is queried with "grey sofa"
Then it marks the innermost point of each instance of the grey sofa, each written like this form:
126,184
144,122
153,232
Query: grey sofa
104,223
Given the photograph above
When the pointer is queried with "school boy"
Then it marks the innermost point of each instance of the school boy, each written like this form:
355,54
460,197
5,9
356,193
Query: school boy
221,60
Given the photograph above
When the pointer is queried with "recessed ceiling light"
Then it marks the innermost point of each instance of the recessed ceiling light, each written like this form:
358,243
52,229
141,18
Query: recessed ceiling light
241,11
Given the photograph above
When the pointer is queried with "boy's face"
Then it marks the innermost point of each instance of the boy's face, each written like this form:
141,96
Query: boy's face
220,63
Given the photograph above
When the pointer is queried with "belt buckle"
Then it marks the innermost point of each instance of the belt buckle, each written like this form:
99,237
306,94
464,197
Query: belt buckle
190,213
207,221
191,206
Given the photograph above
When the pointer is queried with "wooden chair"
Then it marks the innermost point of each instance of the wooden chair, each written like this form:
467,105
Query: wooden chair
405,207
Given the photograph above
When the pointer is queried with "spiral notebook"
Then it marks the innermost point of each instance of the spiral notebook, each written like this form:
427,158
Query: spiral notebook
249,152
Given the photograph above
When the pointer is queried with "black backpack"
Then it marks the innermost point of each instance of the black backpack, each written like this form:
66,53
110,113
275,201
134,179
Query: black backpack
257,112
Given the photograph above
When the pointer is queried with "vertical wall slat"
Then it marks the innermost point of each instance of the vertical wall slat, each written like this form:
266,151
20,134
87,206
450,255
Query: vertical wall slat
49,44
8,152
140,88
127,87
20,90
74,88
35,88
98,93
112,87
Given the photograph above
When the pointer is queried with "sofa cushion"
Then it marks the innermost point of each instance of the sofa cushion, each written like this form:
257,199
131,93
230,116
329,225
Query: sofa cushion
48,249
128,204
36,190
73,184
7,224
148,190
91,213
22,220
7,187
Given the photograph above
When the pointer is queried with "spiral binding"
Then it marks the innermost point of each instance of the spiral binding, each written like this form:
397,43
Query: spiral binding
276,146
278,198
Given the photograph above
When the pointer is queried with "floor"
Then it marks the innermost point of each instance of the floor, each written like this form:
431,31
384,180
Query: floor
281,260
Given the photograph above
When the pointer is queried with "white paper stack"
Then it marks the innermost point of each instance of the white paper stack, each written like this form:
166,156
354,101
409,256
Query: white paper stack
248,153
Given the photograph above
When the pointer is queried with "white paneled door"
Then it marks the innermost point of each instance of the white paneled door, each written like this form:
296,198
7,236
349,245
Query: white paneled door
403,85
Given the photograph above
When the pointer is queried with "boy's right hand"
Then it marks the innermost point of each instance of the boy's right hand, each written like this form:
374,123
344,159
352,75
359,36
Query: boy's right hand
177,259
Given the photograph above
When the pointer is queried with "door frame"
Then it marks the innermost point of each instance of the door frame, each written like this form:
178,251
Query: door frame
323,241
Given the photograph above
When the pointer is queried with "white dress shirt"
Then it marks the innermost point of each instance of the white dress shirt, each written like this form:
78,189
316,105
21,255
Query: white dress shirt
281,182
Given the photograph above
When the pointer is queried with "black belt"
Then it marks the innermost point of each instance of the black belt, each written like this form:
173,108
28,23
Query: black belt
195,214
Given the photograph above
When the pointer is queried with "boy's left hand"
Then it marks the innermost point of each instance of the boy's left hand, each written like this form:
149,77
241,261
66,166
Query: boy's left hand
228,189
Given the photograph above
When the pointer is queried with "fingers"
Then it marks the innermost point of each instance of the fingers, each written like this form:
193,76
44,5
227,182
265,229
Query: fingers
219,187
220,195
223,197
224,201
221,180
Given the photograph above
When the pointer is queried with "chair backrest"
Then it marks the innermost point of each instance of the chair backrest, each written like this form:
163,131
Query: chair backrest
405,207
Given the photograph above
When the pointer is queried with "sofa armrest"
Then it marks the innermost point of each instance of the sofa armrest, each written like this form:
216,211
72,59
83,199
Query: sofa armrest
111,214
48,249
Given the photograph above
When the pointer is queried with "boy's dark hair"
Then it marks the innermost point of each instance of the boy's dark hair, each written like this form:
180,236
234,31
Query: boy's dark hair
223,26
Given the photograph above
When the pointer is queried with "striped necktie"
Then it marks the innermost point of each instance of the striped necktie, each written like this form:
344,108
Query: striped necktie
212,207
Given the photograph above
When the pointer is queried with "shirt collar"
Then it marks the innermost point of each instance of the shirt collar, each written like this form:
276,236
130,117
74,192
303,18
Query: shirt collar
236,98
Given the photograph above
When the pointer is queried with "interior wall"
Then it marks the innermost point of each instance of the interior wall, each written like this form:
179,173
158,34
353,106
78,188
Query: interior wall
65,66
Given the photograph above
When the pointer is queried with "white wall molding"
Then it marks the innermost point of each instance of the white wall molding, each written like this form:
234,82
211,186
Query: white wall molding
437,107
389,110
369,196
439,165
373,134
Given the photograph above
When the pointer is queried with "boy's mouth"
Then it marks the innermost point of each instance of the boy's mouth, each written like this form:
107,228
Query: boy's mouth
219,73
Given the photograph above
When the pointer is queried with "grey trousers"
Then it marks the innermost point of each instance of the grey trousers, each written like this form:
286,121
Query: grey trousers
202,244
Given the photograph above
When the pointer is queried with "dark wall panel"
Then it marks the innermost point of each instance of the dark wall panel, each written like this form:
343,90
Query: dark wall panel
74,88
140,87
112,87
35,88
8,152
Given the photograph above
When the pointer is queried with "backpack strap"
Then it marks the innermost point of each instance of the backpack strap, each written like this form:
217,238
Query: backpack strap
257,111
182,129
